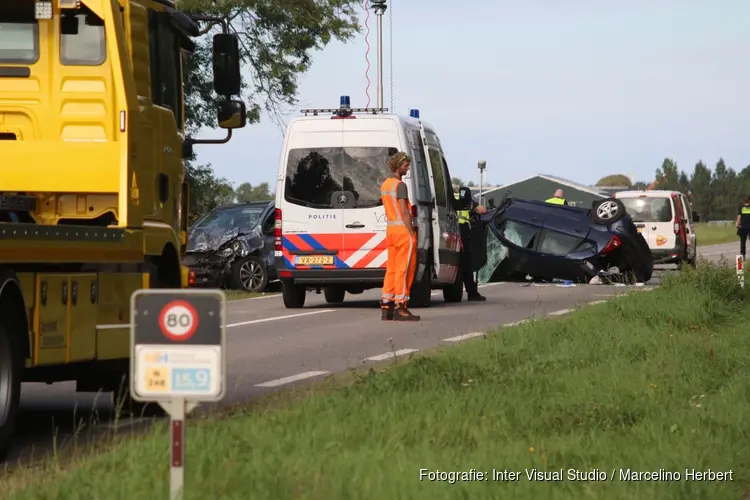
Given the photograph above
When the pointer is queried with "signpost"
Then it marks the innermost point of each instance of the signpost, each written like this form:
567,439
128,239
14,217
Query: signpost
177,358
739,267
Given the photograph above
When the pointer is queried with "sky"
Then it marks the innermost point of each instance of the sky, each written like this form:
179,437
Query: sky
580,91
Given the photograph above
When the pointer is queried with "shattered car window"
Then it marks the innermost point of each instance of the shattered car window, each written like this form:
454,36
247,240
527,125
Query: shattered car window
520,234
555,243
496,253
240,217
648,209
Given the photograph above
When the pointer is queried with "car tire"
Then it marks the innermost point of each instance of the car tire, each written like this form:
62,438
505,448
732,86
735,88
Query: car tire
11,364
420,294
334,294
454,292
250,275
607,211
294,295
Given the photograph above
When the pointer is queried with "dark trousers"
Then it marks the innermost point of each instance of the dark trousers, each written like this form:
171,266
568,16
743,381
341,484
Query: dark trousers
743,232
467,276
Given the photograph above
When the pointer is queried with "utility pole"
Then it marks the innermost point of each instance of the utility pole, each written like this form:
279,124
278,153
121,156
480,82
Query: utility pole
481,165
379,6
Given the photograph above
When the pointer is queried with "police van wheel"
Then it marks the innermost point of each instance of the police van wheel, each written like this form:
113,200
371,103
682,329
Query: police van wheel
420,294
455,291
334,294
293,295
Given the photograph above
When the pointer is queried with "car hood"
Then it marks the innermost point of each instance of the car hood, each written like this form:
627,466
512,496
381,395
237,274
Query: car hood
211,239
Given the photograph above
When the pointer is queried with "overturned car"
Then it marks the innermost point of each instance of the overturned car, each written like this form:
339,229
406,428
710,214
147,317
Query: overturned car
232,247
526,239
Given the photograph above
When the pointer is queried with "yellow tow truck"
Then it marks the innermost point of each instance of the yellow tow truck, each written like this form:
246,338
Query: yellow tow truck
93,194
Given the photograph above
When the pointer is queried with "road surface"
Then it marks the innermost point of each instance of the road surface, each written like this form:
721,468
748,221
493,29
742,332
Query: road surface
271,347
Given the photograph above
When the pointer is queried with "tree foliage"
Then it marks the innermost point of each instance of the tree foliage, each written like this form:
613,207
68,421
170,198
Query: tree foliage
614,180
246,192
277,40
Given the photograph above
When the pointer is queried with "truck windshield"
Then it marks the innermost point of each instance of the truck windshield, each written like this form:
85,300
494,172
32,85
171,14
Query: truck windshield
19,35
315,175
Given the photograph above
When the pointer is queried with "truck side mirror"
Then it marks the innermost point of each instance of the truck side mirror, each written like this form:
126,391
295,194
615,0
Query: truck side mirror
232,114
226,64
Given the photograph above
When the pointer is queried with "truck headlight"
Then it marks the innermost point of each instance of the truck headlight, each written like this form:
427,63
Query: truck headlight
42,10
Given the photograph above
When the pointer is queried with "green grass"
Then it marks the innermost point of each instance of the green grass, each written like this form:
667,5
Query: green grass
713,235
651,381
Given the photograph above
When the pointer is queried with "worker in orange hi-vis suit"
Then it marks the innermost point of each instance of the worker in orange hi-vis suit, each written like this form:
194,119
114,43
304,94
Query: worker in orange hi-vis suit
402,242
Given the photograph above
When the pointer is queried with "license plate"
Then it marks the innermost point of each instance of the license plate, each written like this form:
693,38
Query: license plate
315,260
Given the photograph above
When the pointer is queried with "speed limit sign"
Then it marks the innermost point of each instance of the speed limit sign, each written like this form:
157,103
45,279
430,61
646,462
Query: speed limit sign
178,320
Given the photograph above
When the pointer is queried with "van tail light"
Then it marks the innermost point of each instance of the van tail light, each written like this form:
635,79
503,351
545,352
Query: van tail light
613,244
676,226
277,232
414,211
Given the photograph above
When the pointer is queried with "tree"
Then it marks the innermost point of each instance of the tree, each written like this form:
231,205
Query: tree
277,40
640,185
668,175
245,192
700,186
614,180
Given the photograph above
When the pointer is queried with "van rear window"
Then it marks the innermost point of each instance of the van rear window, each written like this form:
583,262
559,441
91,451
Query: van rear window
648,209
315,175
19,34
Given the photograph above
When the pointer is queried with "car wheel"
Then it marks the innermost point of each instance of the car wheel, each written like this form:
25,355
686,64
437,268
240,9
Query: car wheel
250,274
420,294
606,212
455,291
294,295
334,294
10,390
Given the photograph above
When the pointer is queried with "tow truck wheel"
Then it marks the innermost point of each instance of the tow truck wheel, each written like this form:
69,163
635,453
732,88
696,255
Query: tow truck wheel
293,295
334,294
10,390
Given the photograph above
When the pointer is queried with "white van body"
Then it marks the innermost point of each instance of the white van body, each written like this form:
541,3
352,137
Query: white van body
331,232
665,220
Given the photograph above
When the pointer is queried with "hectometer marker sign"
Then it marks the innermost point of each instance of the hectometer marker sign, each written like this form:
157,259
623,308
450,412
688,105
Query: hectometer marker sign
178,340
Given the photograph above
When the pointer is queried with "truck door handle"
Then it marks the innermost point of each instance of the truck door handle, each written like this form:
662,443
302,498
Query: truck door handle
355,226
168,150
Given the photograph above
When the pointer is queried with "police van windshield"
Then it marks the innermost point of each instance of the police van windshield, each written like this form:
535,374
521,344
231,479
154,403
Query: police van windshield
648,209
314,175
19,36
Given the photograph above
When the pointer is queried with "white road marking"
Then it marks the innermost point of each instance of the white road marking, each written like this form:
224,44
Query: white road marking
277,318
595,302
292,378
391,355
465,337
516,323
560,312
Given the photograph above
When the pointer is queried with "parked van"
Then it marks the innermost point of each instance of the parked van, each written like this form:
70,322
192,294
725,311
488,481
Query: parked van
330,221
665,220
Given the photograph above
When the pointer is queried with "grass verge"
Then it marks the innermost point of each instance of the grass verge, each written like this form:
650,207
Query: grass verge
652,381
714,235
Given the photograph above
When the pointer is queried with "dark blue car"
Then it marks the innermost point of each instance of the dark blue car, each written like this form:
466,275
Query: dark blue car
523,238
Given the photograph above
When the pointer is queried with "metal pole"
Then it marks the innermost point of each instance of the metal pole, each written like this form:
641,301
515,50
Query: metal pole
379,6
481,165
177,440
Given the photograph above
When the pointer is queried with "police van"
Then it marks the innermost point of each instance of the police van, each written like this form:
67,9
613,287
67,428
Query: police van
665,220
330,231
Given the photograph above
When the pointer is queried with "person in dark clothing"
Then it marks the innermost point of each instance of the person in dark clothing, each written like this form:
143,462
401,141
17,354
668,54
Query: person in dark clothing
743,225
464,224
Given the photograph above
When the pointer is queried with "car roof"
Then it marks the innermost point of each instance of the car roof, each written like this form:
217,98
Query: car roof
264,203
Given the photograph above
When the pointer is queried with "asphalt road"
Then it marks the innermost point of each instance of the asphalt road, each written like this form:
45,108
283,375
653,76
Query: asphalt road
271,347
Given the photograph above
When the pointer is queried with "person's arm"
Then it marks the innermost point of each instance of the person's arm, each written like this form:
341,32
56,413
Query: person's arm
737,222
402,194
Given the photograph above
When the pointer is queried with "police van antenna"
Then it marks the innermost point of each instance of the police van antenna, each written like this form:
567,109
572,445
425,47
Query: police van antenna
379,6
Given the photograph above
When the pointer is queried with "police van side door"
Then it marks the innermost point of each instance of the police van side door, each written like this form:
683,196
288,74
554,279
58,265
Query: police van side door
419,173
439,196
451,258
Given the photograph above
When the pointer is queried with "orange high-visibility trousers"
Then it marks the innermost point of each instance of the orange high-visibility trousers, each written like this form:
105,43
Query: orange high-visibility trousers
401,266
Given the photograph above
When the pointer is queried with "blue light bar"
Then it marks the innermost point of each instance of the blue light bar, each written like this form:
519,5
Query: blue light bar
414,113
345,102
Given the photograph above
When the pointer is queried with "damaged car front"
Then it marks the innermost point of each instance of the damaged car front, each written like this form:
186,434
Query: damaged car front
228,248
526,239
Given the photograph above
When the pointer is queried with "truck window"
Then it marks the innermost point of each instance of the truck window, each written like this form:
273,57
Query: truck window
19,33
313,175
166,73
82,41
436,164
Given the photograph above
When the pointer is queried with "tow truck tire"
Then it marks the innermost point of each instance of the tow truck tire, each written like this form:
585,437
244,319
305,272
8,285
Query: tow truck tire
420,294
10,389
294,295
334,294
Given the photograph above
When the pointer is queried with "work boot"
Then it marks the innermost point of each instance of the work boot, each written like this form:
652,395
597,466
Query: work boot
403,314
386,311
476,297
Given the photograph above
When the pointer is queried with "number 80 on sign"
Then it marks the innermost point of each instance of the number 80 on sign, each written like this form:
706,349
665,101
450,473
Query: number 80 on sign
178,320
